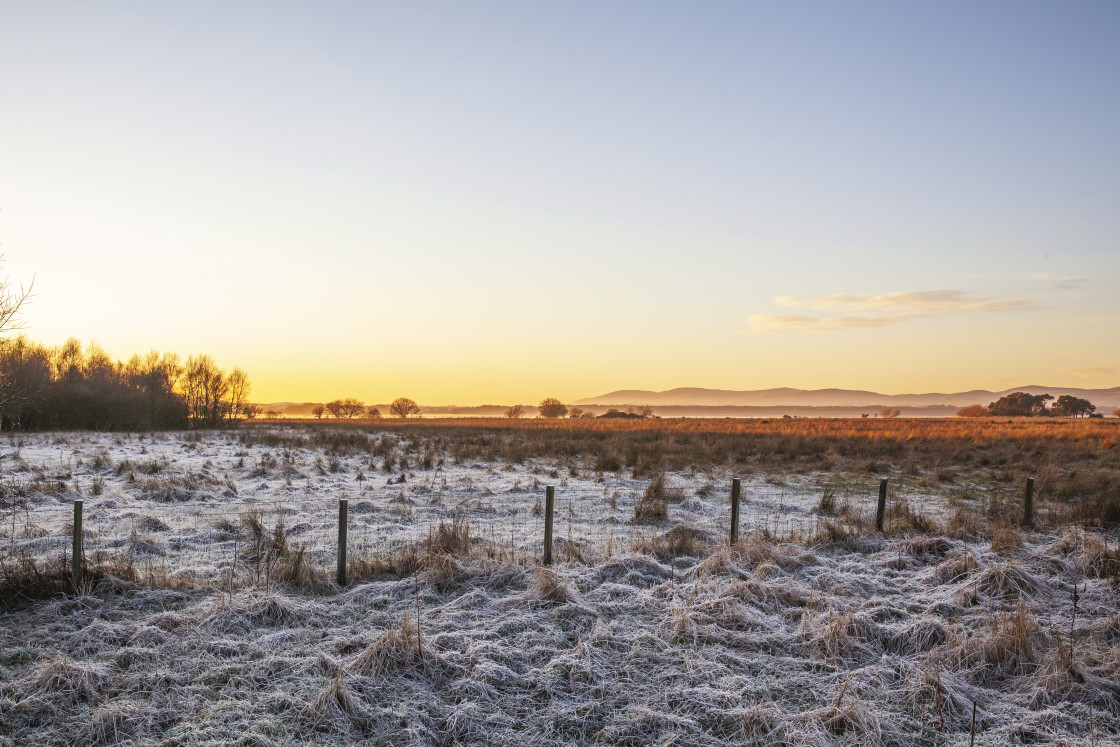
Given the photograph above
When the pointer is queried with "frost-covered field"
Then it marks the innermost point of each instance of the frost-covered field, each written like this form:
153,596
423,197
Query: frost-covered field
172,501
830,636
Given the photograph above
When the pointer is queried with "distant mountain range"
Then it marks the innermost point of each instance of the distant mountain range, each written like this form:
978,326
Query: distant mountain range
1105,399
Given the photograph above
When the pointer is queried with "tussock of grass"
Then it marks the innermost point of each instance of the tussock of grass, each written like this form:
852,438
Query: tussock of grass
112,723
954,568
545,586
1006,538
67,679
842,637
634,569
680,541
1008,647
918,636
254,611
396,649
1006,581
653,506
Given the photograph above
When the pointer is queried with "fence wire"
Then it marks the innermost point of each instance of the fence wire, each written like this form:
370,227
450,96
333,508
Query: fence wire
245,543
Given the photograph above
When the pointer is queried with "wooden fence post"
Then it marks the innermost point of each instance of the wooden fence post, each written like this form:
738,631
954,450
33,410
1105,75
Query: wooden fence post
1028,503
549,500
76,550
881,510
736,488
342,506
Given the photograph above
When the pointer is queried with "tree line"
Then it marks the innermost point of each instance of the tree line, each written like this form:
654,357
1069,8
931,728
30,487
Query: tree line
1022,404
351,407
71,387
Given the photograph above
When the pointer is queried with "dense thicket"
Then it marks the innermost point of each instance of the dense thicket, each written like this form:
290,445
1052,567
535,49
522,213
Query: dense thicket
70,387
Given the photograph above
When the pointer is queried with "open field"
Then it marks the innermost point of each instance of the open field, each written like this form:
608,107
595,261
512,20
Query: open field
209,613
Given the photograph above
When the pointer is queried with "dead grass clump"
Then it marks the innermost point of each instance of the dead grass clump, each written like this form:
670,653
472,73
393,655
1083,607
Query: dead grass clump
827,504
395,650
759,548
1006,538
844,637
1008,647
338,708
952,569
1004,581
451,539
112,723
254,611
680,541
67,679
759,723
654,504
145,545
928,546
635,570
918,636
151,524
965,523
1090,553
849,718
295,568
24,578
945,696
1100,511
546,586
905,517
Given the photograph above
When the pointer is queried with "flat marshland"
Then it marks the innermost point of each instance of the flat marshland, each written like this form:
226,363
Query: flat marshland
209,610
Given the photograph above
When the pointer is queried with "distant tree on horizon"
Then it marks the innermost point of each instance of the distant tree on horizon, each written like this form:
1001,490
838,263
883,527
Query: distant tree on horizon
1068,406
515,412
351,407
403,407
551,408
972,411
318,411
890,412
1020,404
373,413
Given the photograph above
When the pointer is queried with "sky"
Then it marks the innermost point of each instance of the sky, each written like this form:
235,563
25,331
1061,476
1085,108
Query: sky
496,202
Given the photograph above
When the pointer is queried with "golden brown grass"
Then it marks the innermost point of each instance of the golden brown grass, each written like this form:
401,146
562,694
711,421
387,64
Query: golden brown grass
1074,461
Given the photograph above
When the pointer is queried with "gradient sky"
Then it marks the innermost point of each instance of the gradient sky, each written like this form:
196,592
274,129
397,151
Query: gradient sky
497,202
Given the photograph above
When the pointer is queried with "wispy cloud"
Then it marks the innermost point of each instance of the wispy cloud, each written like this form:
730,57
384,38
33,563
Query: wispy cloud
1065,282
1090,373
855,310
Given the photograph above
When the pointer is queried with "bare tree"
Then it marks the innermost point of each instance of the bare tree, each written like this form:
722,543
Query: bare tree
11,305
239,388
550,407
351,408
334,407
206,387
373,413
575,412
318,411
403,407
515,412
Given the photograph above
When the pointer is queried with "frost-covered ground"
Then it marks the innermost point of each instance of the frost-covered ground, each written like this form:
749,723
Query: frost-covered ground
834,637
168,500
